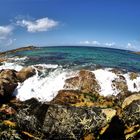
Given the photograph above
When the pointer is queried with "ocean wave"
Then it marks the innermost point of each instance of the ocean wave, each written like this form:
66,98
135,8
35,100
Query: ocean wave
44,89
10,65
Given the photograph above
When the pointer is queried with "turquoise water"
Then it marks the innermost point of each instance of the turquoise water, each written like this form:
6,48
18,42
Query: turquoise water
83,57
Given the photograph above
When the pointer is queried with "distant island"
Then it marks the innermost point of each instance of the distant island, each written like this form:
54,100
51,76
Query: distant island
18,50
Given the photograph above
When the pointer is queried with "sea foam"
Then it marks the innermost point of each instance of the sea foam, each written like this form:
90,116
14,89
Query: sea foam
44,89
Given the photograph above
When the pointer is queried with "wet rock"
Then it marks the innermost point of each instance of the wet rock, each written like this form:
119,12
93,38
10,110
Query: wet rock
133,75
84,82
25,73
61,122
120,84
117,71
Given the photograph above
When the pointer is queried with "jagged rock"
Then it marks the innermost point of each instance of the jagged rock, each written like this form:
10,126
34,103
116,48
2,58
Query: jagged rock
84,82
25,73
61,122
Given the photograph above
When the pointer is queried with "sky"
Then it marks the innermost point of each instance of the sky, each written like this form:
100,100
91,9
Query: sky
106,23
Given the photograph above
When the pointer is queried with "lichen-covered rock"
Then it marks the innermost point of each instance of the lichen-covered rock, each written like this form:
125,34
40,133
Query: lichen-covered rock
132,113
25,73
131,116
84,82
61,122
79,99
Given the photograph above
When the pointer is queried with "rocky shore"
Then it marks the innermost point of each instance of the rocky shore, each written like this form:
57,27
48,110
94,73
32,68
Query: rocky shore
17,50
78,112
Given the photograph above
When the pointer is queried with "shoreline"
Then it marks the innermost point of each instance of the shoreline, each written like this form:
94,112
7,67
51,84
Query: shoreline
17,50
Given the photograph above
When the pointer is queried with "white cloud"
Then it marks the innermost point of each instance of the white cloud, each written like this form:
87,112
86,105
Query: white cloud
110,44
130,46
43,24
86,42
5,36
5,31
96,43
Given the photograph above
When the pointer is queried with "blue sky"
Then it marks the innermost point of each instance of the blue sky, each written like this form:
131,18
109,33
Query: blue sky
107,23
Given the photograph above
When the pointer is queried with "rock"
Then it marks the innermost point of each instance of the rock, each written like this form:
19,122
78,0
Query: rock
132,112
133,75
8,74
61,122
79,99
110,113
67,97
8,83
25,73
130,99
120,84
84,82
3,59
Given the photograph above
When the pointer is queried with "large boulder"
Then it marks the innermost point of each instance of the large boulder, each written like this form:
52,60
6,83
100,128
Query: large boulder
25,73
8,83
85,82
61,122
79,99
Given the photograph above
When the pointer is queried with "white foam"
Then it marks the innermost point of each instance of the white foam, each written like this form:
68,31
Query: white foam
44,89
104,79
133,85
9,65
47,66
18,58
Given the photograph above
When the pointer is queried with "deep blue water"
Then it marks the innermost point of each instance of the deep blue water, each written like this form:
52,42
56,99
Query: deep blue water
83,57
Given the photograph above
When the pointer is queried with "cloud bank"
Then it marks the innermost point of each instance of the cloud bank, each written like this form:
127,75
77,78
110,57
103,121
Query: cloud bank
39,25
5,31
96,43
5,35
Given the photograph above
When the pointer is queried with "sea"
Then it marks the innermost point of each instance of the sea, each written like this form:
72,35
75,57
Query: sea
55,64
